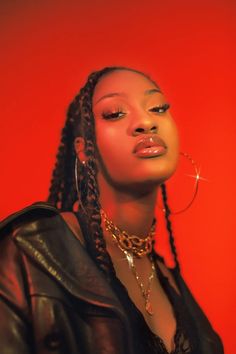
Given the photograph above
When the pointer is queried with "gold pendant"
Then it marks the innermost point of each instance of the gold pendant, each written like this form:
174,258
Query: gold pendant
148,308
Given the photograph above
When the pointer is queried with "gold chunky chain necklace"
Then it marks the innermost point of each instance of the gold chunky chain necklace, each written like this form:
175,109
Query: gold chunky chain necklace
134,246
138,246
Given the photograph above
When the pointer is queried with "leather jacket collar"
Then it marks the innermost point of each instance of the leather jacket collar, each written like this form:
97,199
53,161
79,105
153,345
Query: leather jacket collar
42,234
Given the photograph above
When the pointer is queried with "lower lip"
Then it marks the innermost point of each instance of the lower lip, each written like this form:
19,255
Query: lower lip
153,151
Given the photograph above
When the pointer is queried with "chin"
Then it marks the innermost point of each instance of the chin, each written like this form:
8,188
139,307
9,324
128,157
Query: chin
154,174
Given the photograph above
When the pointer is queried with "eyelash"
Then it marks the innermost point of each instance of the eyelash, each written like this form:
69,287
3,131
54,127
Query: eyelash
160,109
119,112
116,114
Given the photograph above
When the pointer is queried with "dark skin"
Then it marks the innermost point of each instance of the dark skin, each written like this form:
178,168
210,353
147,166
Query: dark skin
129,184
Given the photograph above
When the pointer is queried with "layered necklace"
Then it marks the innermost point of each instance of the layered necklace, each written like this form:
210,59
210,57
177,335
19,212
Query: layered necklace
134,246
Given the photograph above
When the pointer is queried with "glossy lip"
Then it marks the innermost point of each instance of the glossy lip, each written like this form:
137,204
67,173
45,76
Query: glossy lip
150,146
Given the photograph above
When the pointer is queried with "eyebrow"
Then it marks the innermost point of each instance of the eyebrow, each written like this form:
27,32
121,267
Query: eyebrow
113,94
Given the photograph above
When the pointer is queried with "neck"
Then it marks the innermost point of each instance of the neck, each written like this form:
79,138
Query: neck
131,212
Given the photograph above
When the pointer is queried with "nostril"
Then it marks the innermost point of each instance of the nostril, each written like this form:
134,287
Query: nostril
139,130
153,129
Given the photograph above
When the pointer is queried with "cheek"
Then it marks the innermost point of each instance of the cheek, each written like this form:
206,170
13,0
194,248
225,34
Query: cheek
107,139
170,133
175,145
116,152
113,146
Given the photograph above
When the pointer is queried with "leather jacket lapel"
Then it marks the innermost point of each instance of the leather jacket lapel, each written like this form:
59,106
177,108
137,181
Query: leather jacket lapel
50,242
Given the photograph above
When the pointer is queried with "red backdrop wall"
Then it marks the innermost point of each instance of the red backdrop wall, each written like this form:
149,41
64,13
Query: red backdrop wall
47,50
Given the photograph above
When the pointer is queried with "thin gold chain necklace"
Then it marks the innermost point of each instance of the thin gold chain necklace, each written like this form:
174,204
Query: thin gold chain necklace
134,246
145,292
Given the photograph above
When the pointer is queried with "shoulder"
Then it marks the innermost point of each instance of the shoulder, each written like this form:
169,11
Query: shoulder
38,211
12,269
24,220
31,213
42,219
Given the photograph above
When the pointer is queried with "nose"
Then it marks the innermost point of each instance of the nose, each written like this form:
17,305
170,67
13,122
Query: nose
146,130
145,125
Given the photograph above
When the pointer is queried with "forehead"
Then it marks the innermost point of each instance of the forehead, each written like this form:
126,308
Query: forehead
122,81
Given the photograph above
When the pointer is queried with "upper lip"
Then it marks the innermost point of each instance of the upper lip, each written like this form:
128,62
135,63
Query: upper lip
149,141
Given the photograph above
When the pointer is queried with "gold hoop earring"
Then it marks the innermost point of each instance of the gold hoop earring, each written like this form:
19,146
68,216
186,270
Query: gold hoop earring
76,176
196,176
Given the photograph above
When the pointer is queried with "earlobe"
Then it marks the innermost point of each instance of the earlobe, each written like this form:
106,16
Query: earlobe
79,145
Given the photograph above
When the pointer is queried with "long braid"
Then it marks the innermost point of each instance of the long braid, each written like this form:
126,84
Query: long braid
96,245
169,227
63,193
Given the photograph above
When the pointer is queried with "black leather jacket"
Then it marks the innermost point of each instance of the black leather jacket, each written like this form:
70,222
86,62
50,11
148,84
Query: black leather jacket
54,299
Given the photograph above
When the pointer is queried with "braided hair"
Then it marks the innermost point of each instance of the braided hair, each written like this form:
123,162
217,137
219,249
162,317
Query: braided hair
63,193
168,226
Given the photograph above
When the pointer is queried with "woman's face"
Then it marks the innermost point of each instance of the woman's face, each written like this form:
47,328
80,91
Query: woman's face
136,136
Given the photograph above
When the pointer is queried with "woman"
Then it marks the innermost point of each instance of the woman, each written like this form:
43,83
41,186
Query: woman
80,274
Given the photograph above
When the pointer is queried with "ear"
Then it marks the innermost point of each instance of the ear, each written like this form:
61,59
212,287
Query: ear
79,145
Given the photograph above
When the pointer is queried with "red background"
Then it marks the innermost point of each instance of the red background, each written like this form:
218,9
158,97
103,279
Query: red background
188,47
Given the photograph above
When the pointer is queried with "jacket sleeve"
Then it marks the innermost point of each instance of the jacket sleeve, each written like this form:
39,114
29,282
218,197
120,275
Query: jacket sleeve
15,330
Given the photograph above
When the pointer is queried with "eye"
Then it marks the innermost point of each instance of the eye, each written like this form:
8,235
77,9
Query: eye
113,115
160,109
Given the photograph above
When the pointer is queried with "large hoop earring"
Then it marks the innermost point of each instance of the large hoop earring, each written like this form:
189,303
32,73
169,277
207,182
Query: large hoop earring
196,177
76,176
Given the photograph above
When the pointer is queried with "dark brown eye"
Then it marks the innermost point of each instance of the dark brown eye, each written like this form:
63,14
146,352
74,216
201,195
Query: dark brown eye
113,115
160,109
